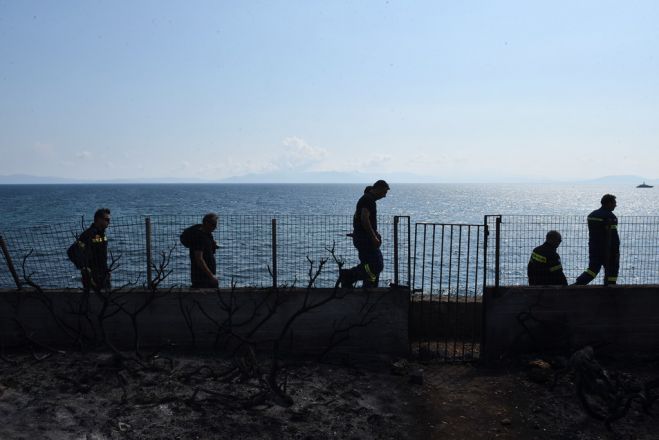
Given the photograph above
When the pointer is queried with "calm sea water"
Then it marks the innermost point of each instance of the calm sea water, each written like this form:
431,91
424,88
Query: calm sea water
26,205
245,232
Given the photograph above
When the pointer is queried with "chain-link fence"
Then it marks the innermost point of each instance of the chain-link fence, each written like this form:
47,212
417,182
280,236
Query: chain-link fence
512,238
253,250
453,262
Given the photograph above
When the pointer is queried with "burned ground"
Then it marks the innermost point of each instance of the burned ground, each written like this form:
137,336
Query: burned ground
100,396
96,396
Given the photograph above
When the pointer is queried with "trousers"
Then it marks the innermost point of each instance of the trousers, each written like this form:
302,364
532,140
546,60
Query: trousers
370,264
598,258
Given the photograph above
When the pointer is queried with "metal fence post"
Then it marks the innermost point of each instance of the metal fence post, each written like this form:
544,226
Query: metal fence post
10,263
149,275
497,253
485,298
396,250
274,253
409,252
486,235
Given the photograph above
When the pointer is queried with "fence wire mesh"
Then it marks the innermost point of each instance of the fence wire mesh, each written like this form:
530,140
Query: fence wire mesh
518,235
251,250
40,252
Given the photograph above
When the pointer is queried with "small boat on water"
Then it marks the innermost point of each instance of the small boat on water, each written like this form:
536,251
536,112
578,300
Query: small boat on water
644,185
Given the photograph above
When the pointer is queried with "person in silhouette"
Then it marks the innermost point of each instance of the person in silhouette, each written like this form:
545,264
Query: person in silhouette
545,268
90,253
603,243
366,239
199,240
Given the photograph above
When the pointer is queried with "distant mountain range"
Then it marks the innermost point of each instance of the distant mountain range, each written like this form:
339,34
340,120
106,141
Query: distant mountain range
323,177
19,179
329,177
291,177
622,180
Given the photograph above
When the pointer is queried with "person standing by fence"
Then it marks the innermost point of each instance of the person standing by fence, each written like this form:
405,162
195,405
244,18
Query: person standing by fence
603,243
545,268
199,240
90,253
366,239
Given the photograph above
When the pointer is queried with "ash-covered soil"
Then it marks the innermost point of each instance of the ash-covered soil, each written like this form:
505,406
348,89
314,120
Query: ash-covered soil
515,402
95,396
99,396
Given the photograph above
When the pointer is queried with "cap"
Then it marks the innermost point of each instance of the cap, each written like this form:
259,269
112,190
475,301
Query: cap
381,184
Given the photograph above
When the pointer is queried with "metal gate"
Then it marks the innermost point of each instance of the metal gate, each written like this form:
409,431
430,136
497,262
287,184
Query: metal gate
447,285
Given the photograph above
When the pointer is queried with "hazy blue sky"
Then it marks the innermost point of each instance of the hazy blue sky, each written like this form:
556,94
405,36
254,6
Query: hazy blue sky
454,90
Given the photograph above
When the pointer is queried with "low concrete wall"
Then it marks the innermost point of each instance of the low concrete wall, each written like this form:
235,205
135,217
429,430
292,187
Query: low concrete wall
616,319
362,322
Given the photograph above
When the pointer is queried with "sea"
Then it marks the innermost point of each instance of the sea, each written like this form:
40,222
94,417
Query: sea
28,205
61,210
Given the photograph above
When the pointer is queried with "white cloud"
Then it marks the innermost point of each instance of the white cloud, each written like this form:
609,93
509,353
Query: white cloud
84,155
231,166
298,154
181,167
293,154
377,161
43,149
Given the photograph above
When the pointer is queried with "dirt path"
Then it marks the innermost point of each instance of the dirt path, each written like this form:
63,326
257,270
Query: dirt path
467,402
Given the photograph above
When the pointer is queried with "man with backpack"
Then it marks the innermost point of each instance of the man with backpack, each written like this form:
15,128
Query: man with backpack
199,240
89,253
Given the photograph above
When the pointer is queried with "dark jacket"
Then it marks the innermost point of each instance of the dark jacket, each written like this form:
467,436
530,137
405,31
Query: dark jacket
544,268
93,252
366,201
603,231
204,242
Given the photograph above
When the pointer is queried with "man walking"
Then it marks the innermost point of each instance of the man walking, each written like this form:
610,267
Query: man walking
199,239
603,243
90,253
545,268
366,239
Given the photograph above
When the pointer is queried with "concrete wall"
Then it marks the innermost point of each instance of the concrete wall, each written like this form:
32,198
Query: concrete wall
199,319
615,319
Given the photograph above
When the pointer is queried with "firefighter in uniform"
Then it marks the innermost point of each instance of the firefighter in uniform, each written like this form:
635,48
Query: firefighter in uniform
199,239
93,253
545,268
366,239
603,243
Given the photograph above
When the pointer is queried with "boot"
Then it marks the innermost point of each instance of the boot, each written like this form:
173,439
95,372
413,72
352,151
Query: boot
346,278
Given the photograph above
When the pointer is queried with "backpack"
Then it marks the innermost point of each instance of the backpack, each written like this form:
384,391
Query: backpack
188,235
75,255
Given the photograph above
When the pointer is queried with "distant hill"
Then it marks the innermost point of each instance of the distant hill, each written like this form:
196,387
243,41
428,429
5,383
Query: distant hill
325,177
330,177
18,179
292,177
25,179
622,180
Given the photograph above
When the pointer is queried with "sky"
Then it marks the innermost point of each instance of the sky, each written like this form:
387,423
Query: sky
453,91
